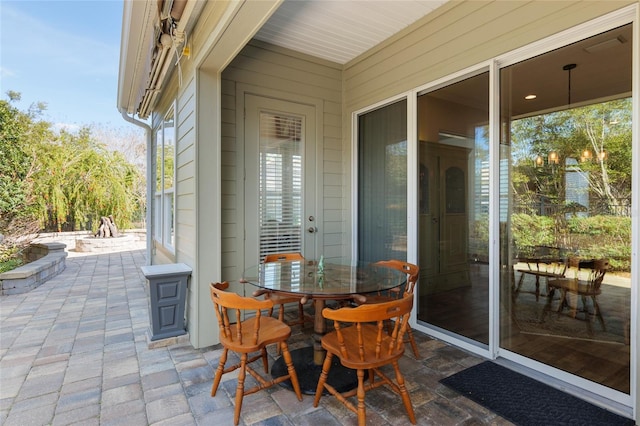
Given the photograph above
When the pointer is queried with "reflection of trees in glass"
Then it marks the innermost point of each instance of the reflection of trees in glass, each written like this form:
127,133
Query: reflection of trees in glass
396,186
597,141
579,200
168,166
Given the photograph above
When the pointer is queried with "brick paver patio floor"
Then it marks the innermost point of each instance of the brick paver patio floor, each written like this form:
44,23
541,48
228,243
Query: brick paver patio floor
75,351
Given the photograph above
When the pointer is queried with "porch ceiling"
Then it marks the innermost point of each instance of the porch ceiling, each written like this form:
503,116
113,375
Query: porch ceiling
339,31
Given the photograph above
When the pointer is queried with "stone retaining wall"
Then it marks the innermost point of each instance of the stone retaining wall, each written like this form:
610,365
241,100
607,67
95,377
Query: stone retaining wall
46,260
71,238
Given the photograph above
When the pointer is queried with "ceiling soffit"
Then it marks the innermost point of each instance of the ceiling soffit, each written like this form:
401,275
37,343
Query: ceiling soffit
338,31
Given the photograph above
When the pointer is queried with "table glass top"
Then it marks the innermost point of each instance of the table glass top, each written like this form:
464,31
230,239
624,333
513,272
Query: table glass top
305,277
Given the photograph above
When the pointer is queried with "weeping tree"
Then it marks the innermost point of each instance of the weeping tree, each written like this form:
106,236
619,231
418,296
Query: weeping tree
59,181
78,181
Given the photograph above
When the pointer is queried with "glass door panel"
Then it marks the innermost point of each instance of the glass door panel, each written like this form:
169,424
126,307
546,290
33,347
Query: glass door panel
453,204
565,212
280,183
382,183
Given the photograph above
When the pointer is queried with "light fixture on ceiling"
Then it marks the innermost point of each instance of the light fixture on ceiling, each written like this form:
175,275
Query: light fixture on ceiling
568,68
530,97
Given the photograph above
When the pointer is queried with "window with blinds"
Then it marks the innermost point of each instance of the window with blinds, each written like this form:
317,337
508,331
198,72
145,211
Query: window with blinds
280,191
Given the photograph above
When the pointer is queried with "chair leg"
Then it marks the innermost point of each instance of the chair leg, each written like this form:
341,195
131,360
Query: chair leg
596,307
240,388
362,415
406,400
516,290
281,318
265,360
414,346
301,314
323,378
219,372
293,376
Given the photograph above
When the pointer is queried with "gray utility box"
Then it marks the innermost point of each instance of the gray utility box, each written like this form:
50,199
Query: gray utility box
167,298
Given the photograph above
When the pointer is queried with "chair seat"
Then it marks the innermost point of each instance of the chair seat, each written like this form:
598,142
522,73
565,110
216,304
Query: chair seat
271,331
540,273
573,286
378,298
279,299
369,336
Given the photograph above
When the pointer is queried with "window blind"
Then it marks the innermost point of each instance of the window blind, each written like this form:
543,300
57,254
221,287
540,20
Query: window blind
280,191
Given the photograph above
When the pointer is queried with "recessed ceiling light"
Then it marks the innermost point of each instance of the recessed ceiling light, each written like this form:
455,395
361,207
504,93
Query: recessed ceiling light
529,97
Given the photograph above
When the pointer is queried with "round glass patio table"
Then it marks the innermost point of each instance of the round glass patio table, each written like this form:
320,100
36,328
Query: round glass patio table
321,281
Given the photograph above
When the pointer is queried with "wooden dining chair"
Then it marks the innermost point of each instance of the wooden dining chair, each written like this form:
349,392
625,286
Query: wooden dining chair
361,343
247,337
586,283
280,299
546,263
413,273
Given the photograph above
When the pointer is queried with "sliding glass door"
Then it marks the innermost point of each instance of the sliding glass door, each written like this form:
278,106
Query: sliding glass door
382,183
565,214
526,254
453,194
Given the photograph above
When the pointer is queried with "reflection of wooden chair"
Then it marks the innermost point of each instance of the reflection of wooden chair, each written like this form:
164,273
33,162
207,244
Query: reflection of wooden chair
363,346
587,283
281,300
248,336
413,272
545,262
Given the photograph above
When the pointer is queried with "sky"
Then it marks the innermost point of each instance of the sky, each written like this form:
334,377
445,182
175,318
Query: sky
66,54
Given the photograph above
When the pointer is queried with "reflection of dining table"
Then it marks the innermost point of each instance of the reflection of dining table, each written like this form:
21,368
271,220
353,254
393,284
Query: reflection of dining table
320,282
539,267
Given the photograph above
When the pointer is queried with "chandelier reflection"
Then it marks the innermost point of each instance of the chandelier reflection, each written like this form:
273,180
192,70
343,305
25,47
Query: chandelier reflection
553,158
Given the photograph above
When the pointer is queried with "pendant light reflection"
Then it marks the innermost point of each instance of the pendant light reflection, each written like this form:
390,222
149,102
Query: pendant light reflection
587,155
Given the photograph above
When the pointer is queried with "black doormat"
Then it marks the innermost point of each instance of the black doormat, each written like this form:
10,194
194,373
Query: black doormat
525,401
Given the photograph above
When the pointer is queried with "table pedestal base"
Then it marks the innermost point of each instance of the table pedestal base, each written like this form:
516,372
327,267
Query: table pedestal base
341,378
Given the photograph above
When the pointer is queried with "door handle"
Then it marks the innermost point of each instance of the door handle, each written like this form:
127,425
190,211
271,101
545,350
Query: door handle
312,229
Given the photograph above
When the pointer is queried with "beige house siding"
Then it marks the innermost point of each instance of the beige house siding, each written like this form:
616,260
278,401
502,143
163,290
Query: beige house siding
456,36
267,70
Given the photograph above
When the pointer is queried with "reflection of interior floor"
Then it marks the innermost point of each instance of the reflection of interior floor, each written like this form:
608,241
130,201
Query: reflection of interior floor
527,329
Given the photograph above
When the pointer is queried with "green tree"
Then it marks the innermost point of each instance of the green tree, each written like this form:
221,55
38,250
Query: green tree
79,180
17,131
60,181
